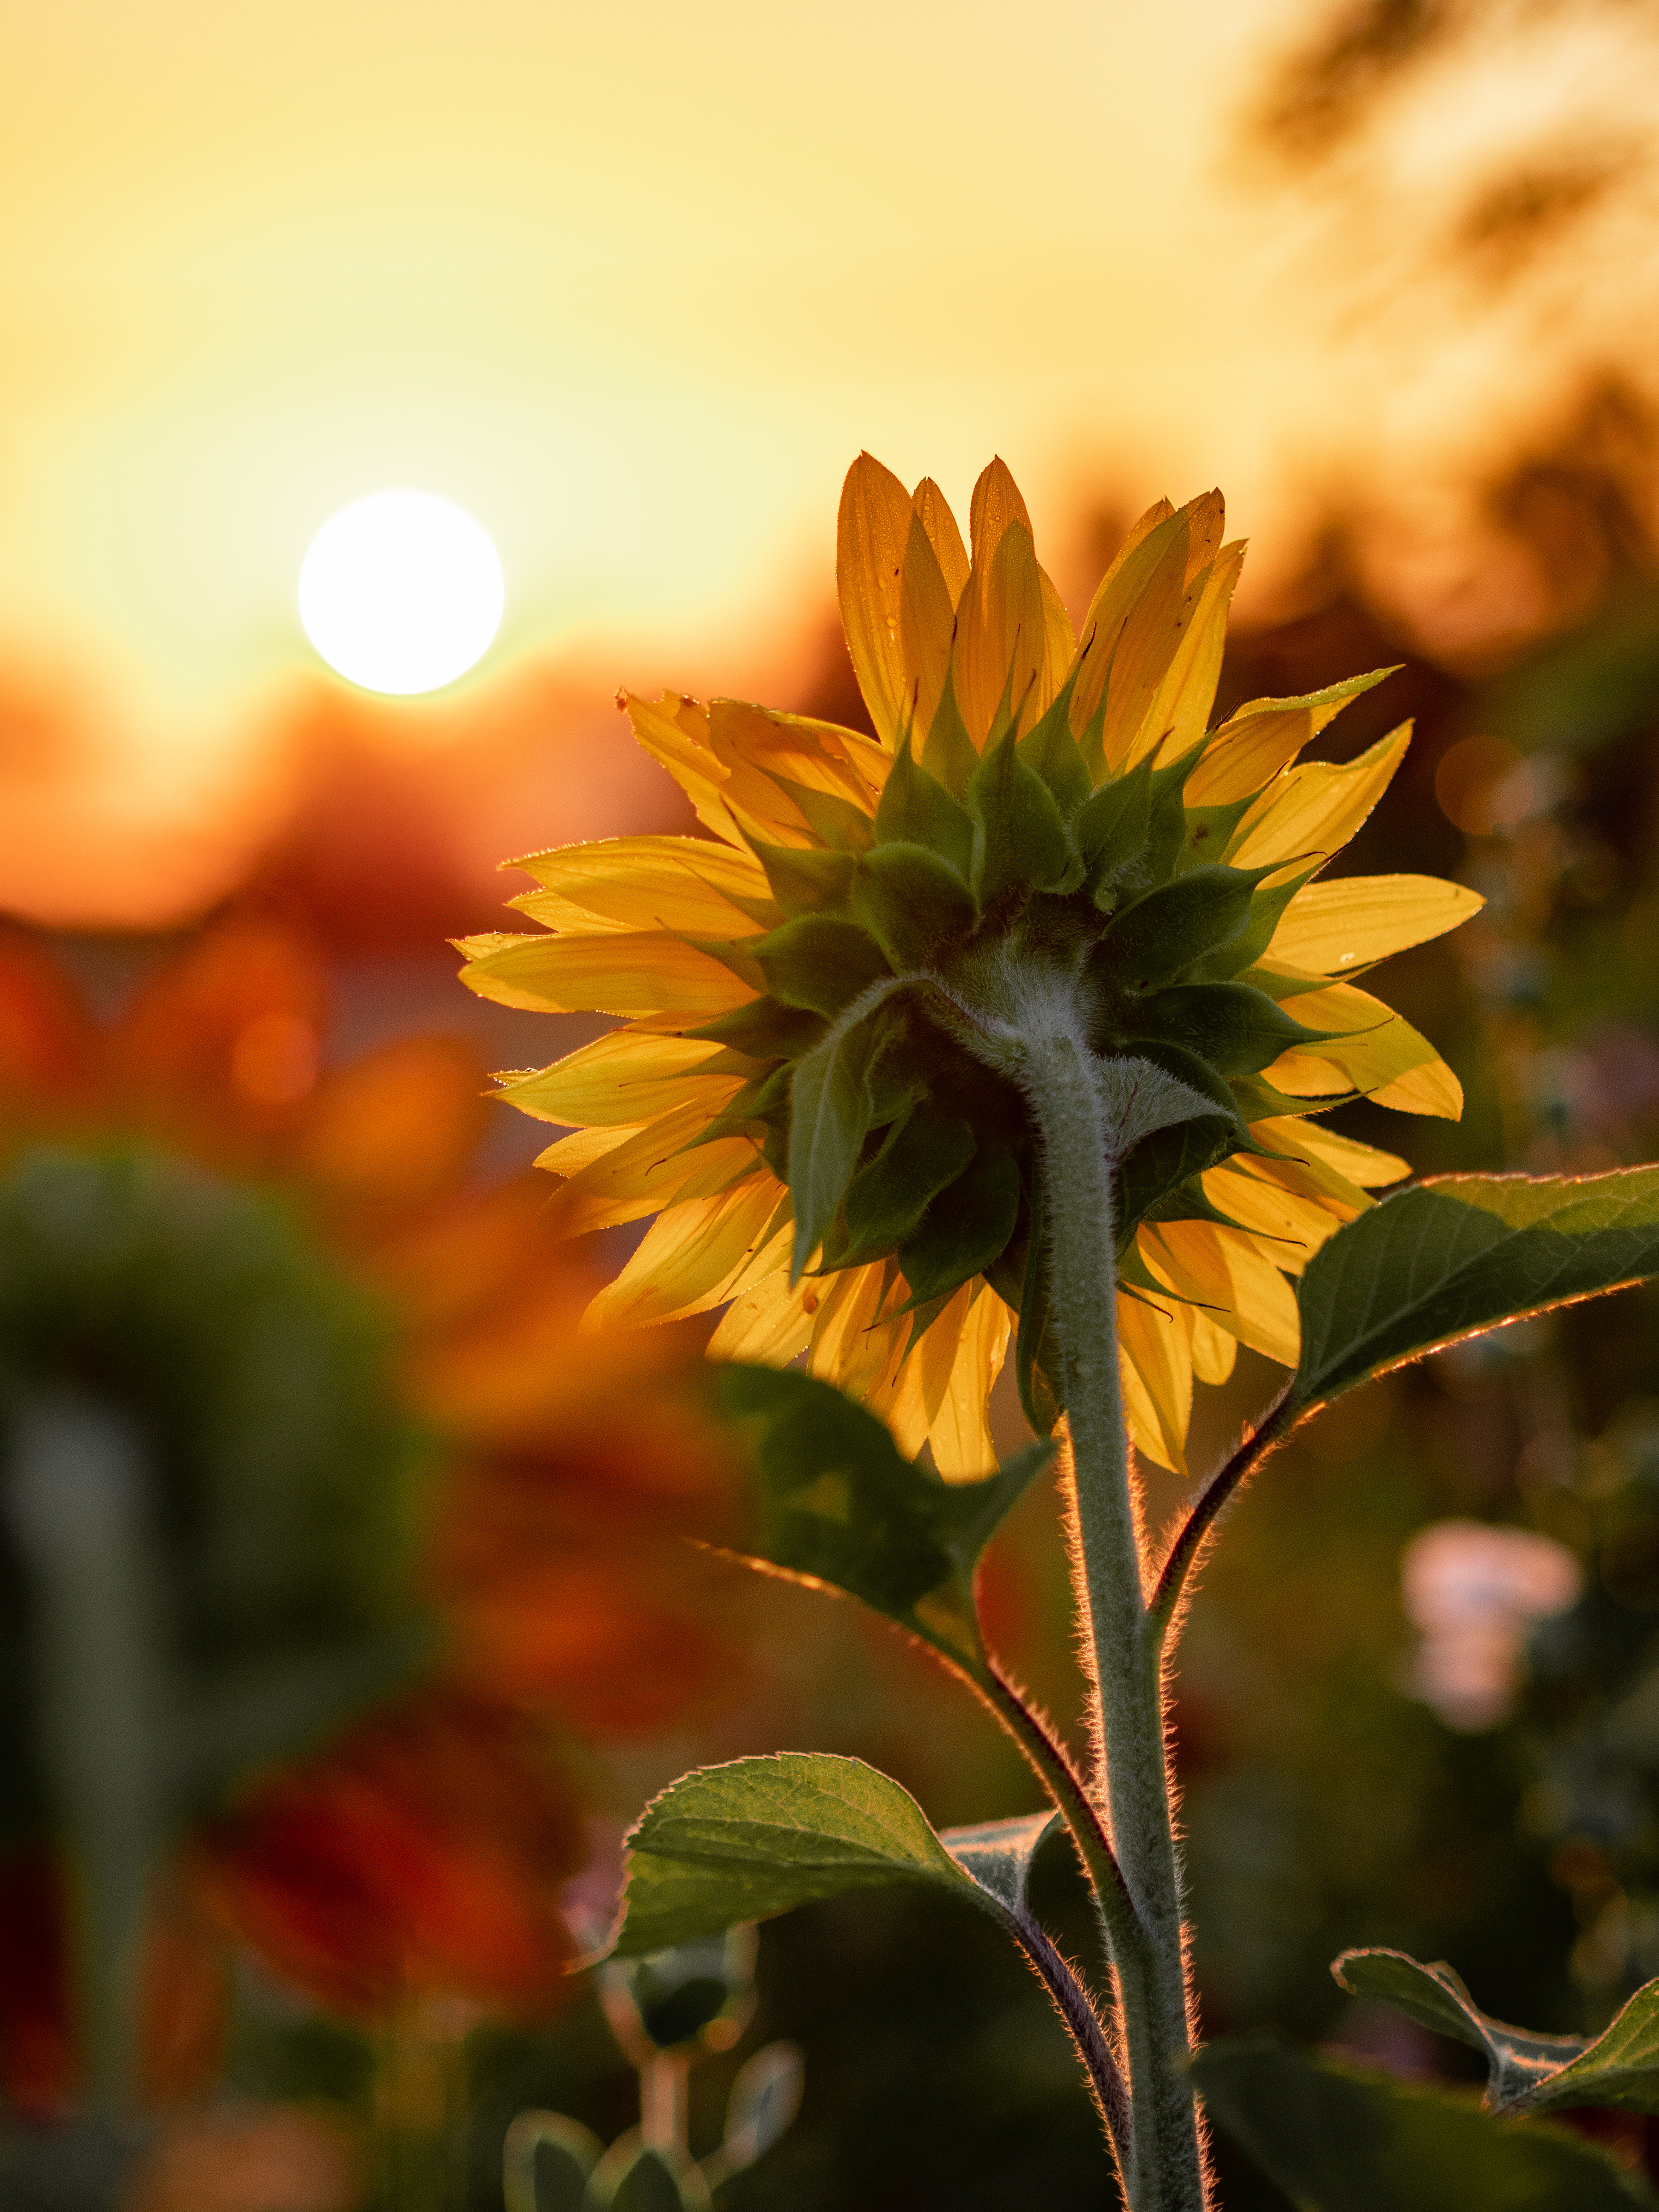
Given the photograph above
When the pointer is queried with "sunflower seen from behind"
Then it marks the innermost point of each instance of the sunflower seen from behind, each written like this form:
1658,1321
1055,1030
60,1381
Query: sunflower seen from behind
807,1088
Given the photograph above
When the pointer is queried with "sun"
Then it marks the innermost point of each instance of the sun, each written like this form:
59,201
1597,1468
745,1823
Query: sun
401,592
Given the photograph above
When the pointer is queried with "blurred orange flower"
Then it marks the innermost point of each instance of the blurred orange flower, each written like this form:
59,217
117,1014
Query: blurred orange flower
419,1852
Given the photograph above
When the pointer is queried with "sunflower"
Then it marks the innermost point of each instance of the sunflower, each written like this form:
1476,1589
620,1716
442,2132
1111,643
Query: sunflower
800,1091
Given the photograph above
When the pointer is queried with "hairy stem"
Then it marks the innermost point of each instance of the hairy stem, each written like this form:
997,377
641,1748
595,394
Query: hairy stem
1167,2170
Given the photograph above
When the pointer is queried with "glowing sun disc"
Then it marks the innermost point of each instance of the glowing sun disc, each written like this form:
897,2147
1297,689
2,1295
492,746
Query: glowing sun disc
401,592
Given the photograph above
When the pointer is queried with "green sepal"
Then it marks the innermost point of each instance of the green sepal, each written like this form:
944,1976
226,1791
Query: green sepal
949,753
1209,831
1232,1028
1167,929
1019,840
1166,815
965,1229
836,1501
1340,2138
737,953
764,1098
916,808
836,821
1167,1162
765,1030
1197,1075
820,963
1260,1102
1049,750
832,1107
1244,951
912,903
886,1201
1281,987
806,879
1110,829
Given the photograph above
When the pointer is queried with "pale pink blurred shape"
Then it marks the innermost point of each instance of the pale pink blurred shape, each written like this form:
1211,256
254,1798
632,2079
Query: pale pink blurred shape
1473,1593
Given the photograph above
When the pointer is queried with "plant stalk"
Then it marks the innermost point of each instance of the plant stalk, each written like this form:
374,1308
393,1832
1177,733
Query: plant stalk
1131,1780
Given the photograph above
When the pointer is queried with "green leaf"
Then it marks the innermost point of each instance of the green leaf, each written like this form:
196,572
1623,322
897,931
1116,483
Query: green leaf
1337,2138
1153,940
912,903
1435,1998
1020,842
545,2161
631,2178
998,1853
838,1503
817,962
831,1109
1461,1254
916,808
1527,2072
759,1836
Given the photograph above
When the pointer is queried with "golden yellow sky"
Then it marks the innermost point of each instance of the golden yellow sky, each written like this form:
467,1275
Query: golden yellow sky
633,285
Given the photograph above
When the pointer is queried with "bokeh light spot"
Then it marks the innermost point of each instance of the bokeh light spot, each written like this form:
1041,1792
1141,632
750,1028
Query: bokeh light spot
1485,785
402,592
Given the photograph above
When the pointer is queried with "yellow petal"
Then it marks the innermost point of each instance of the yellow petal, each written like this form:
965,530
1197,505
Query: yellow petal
1430,1088
763,749
1354,920
995,505
692,1257
1146,640
620,1175
1265,735
1001,631
1312,811
1176,718
674,730
1358,1163
927,617
869,537
1206,524
1214,1352
929,502
1297,1222
1155,1363
686,884
960,1429
1059,646
642,972
848,1348
768,1323
1383,1049
1228,1272
622,1077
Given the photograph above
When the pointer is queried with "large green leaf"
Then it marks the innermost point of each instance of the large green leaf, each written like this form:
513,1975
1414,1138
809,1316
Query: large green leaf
1527,2072
837,1501
1461,1254
1337,2138
729,1843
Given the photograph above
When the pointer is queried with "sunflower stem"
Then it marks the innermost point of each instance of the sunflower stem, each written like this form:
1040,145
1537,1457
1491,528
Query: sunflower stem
1132,1784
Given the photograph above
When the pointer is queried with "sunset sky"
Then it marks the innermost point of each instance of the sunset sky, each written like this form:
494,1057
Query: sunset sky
633,284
